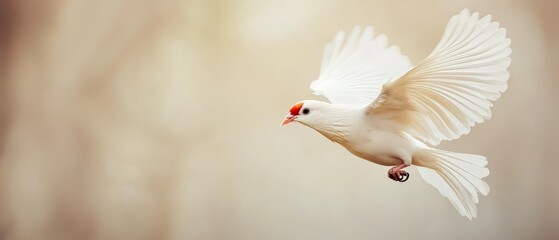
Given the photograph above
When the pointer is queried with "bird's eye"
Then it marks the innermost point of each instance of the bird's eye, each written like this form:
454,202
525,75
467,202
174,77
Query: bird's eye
306,111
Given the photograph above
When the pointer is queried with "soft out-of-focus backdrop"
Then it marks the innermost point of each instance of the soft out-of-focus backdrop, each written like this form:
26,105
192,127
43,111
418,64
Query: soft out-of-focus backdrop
124,119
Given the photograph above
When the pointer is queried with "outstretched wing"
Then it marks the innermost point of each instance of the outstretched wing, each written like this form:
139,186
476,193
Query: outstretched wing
354,71
452,89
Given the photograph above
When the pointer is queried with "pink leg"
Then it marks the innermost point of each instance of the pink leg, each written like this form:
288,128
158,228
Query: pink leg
397,174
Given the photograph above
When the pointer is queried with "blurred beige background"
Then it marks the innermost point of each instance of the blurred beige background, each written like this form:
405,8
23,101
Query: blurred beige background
124,119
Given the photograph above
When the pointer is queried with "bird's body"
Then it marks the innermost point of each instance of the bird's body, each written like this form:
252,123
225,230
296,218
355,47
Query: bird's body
386,111
370,138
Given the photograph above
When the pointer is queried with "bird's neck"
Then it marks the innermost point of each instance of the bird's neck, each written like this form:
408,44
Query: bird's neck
336,122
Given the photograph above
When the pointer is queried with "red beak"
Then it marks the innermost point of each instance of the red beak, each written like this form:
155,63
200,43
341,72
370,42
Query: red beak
289,118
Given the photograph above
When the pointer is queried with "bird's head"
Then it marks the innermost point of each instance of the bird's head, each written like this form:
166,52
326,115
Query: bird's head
332,121
308,112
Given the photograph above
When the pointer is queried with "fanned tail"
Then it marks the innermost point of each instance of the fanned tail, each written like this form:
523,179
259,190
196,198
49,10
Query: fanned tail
457,176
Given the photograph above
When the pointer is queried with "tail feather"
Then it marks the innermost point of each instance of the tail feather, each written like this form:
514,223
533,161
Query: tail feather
457,176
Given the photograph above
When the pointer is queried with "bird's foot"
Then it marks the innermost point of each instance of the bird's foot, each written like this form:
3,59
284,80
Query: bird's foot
398,175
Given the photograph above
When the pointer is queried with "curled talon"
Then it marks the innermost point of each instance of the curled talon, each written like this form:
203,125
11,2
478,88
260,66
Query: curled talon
398,175
404,177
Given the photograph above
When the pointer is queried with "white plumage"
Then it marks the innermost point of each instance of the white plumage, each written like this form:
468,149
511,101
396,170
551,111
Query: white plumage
383,110
353,72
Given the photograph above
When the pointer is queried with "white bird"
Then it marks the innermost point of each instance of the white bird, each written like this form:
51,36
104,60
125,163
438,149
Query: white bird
383,110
